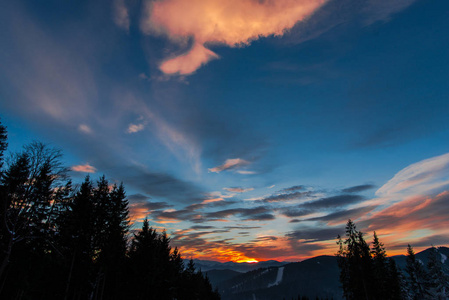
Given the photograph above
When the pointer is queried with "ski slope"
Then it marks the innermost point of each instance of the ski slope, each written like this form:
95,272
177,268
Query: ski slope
278,277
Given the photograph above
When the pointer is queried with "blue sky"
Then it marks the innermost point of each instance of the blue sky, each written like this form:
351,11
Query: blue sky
242,126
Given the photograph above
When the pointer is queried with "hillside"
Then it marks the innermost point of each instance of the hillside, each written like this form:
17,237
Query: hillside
318,276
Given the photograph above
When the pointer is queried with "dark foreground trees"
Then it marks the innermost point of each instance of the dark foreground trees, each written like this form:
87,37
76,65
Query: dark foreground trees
59,242
364,273
371,275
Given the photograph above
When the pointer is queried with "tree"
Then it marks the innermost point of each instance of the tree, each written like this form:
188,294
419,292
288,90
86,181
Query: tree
380,268
113,251
417,277
77,237
438,280
354,260
366,274
3,143
33,186
395,282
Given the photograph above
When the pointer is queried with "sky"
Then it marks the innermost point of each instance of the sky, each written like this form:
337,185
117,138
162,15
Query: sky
249,129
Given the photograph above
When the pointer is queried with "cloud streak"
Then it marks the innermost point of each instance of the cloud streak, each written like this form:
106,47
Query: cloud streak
232,163
86,168
232,23
121,15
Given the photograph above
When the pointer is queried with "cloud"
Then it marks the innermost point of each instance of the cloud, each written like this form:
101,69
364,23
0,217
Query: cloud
238,189
418,178
120,14
336,12
232,23
229,164
189,62
157,184
292,189
244,172
332,202
85,129
316,234
133,128
328,203
287,197
140,206
342,216
358,188
84,168
249,214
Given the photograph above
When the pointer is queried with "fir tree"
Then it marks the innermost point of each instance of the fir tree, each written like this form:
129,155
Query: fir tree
438,280
394,284
3,143
380,268
77,235
355,263
417,277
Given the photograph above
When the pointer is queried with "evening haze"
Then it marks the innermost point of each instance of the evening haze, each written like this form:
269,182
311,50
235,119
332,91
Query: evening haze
250,130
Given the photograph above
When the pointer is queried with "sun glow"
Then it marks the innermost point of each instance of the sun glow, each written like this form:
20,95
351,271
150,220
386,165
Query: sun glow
249,261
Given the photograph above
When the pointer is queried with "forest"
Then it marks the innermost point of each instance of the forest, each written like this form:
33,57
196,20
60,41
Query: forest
367,273
66,241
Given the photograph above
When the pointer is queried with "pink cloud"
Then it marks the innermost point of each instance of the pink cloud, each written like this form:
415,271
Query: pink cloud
229,164
84,168
238,189
232,23
133,128
85,129
120,14
189,62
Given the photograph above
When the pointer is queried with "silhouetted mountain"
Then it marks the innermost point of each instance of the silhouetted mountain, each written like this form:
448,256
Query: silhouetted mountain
318,276
217,276
206,265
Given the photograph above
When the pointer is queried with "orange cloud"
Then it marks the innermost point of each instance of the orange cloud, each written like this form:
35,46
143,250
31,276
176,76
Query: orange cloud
84,168
189,62
238,189
133,128
229,164
212,200
232,23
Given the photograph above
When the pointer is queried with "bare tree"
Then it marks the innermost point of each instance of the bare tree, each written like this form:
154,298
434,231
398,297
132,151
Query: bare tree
32,186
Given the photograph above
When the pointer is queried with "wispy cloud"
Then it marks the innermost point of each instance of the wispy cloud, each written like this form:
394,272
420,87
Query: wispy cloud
86,168
232,23
245,172
231,163
133,128
418,179
120,14
238,189
358,188
85,129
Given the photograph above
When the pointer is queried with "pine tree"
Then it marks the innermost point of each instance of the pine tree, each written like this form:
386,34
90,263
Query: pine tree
417,277
380,268
3,143
394,283
355,264
77,236
114,249
438,280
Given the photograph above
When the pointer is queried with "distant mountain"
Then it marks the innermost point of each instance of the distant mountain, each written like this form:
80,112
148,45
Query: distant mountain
206,265
218,276
318,276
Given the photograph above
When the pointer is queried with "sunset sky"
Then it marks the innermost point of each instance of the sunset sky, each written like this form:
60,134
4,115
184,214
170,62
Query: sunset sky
249,129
